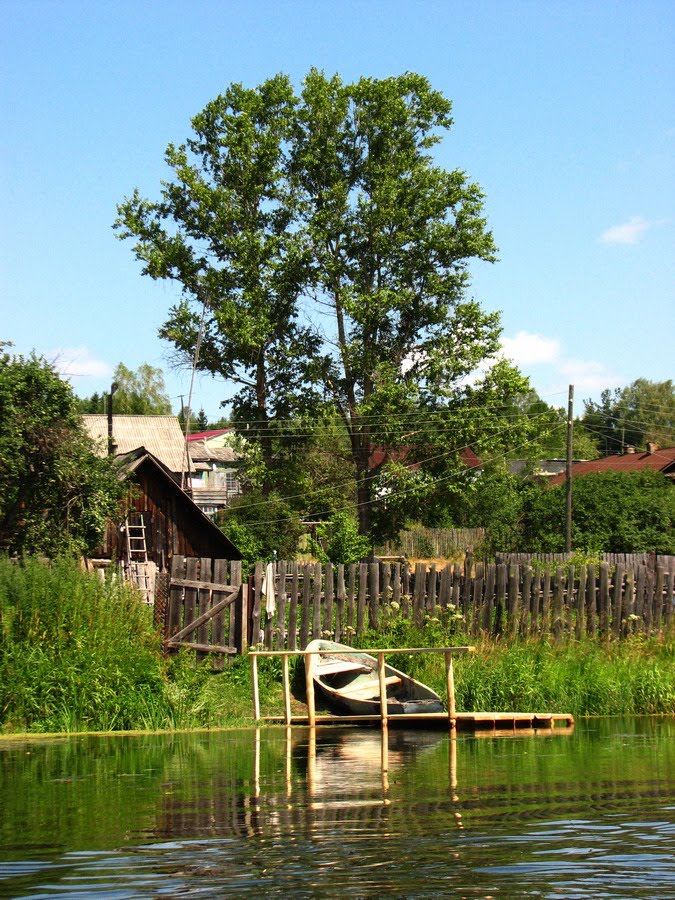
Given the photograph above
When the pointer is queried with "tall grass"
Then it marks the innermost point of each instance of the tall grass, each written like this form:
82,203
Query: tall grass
75,653
634,676
80,654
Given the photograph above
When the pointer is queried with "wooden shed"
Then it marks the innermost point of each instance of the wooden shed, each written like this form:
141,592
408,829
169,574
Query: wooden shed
174,524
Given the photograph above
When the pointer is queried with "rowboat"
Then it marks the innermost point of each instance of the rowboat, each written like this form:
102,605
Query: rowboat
349,681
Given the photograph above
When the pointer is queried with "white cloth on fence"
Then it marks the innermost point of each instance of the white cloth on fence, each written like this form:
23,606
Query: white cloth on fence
268,590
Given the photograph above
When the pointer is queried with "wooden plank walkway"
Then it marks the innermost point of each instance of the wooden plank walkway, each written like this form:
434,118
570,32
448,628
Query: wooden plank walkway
481,721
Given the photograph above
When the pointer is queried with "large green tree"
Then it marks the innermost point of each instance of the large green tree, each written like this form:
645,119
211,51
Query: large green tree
643,411
324,256
55,492
613,512
138,393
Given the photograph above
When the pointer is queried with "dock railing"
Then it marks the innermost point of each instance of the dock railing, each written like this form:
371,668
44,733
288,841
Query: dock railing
379,653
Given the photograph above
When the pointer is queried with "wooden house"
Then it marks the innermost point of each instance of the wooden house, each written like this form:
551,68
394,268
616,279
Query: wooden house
173,523
654,458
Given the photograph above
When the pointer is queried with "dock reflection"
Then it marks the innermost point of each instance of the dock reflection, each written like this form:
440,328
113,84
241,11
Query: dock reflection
308,780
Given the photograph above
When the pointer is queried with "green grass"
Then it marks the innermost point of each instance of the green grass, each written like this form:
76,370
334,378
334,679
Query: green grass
80,654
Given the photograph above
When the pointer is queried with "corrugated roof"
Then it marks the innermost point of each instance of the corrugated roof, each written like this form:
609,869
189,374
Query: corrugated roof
161,435
200,451
658,460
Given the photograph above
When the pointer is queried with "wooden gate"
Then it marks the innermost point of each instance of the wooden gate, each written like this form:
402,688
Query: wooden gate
207,610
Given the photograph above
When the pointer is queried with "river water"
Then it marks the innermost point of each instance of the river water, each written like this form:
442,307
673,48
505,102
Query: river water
588,813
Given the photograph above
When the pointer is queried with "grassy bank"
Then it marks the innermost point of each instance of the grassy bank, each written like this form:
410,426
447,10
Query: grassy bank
79,654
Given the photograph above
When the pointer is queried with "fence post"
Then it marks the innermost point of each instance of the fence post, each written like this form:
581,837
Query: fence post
257,602
514,578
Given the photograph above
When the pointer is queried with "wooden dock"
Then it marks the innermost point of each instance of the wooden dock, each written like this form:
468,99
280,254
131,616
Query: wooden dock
463,721
477,722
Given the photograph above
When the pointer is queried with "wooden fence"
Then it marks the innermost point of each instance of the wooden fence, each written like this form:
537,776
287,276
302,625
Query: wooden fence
292,603
205,607
432,543
629,560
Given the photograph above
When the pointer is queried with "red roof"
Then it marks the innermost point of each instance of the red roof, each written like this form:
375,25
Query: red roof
658,461
205,435
380,455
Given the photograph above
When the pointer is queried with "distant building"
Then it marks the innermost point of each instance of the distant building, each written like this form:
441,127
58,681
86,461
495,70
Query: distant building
215,475
654,458
208,469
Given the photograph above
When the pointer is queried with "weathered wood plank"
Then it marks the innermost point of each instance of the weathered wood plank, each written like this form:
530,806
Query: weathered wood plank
617,600
374,595
281,606
500,598
175,617
204,602
218,627
317,576
591,602
340,602
293,610
513,596
546,602
256,616
327,624
580,605
604,598
351,598
488,606
190,594
306,603
526,606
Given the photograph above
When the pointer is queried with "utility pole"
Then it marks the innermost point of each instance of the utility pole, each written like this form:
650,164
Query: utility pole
568,471
112,447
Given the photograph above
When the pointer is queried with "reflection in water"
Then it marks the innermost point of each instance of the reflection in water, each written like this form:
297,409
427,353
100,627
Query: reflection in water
328,812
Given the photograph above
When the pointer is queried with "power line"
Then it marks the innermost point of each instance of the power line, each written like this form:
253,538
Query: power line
429,485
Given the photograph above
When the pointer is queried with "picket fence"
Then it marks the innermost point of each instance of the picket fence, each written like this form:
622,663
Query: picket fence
293,603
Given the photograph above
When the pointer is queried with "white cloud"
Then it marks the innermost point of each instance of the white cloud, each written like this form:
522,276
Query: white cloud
589,376
628,233
550,371
78,362
527,349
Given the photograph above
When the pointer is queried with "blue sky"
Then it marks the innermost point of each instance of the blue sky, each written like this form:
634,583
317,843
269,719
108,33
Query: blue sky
564,113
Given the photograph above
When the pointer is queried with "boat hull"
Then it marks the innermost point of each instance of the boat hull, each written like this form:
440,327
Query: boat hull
349,682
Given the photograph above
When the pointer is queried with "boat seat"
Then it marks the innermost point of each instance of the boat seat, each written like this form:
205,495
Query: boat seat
371,688
340,665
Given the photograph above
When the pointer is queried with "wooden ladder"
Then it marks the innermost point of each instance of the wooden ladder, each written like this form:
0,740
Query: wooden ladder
137,557
137,548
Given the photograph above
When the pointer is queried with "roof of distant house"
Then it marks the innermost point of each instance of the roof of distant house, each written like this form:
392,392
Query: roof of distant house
205,435
161,435
659,460
201,452
380,455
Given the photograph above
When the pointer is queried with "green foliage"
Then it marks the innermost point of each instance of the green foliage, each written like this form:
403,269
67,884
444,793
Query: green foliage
280,203
139,393
80,654
338,540
55,492
633,677
614,512
641,412
75,653
262,526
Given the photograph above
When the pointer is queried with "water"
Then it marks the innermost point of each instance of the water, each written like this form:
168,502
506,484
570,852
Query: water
589,814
